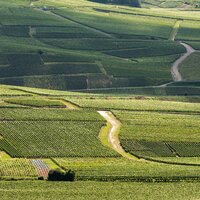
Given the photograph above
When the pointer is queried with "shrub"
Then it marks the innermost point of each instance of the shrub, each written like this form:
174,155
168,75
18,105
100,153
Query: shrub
58,175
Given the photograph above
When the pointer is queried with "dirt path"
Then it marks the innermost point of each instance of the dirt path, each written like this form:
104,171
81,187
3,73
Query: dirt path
112,136
176,75
175,68
175,30
114,142
32,31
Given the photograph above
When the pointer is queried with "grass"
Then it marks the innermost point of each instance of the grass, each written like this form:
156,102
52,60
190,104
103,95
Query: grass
159,135
101,22
121,169
65,45
188,31
35,102
30,139
94,46
48,114
169,3
95,190
159,126
189,69
134,104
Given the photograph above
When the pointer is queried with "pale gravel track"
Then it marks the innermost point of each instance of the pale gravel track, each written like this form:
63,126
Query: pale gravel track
176,75
113,138
175,29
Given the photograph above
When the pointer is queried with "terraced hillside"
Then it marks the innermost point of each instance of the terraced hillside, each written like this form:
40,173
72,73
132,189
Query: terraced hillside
48,129
128,125
171,3
57,45
64,130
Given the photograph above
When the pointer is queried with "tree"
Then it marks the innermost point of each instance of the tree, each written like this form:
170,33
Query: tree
58,175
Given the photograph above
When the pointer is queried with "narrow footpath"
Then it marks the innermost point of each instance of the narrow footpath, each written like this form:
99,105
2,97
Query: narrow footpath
176,75
113,134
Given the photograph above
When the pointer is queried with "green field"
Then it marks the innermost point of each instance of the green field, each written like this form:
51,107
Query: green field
190,68
72,48
109,90
94,190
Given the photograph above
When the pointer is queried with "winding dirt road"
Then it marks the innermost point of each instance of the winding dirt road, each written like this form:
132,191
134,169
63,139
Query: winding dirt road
176,75
113,138
175,67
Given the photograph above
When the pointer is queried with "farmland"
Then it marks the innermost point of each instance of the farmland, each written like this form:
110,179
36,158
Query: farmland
95,190
37,136
74,48
106,92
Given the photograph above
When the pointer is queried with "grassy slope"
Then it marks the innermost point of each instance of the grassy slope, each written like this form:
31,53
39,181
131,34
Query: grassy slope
170,3
97,190
143,67
87,168
190,69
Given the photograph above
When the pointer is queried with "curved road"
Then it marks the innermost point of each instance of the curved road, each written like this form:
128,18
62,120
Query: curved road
113,134
114,141
175,67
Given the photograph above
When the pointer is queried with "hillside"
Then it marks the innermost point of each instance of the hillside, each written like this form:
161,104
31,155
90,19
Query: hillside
171,3
99,99
137,140
58,45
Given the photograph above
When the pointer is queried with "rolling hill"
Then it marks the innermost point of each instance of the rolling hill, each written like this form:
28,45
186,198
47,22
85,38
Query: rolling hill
106,92
58,45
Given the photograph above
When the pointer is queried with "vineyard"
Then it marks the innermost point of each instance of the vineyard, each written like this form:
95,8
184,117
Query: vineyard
94,190
17,168
102,94
83,48
135,104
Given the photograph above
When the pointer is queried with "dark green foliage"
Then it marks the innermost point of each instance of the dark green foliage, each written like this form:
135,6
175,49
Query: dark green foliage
147,148
161,91
134,3
65,58
161,149
59,82
57,175
149,48
15,31
186,149
24,60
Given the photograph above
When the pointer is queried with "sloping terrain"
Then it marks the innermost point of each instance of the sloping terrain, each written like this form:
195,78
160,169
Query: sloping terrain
45,45
171,3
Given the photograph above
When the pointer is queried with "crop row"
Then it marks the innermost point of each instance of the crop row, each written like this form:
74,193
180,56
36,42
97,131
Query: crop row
159,126
58,139
17,168
135,105
28,114
35,102
161,149
49,69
